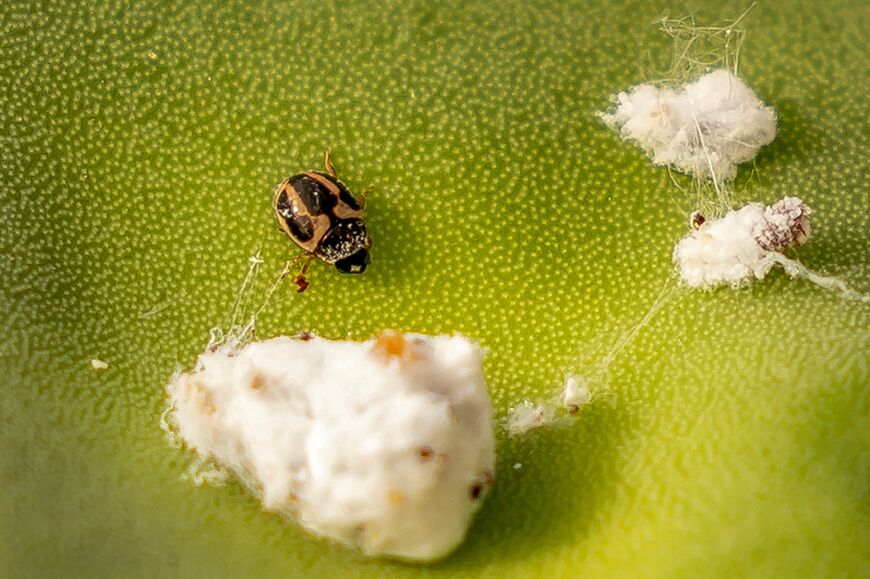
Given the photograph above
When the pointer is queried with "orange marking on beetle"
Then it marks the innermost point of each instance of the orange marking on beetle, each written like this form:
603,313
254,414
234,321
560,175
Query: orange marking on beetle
341,210
344,211
333,188
321,223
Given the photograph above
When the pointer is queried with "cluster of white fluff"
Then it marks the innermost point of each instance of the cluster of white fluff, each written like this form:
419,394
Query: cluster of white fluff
527,416
706,128
386,444
575,393
741,245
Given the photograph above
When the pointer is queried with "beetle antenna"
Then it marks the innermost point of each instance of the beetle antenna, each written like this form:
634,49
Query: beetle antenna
327,162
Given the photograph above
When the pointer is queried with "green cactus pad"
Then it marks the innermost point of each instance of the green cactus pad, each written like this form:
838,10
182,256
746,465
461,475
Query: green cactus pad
139,148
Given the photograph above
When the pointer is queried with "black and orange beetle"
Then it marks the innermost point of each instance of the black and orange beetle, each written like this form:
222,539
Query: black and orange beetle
324,219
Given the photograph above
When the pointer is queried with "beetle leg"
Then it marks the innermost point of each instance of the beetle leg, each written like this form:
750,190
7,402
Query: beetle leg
327,162
362,196
299,279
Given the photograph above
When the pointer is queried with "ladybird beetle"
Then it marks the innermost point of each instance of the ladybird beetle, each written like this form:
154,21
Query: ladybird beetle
324,219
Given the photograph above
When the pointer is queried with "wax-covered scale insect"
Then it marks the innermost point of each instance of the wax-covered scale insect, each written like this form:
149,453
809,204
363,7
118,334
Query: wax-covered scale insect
386,444
746,243
324,219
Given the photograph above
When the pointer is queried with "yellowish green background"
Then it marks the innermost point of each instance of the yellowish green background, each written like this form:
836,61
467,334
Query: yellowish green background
139,146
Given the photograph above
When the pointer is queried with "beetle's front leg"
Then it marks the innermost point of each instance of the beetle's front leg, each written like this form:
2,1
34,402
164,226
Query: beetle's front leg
304,262
362,196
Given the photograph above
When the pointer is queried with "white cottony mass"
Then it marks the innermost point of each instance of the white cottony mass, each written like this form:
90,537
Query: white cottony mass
705,128
743,245
386,444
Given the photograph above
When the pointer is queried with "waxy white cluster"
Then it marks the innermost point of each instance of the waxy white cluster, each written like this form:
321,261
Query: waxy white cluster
705,128
386,444
743,245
